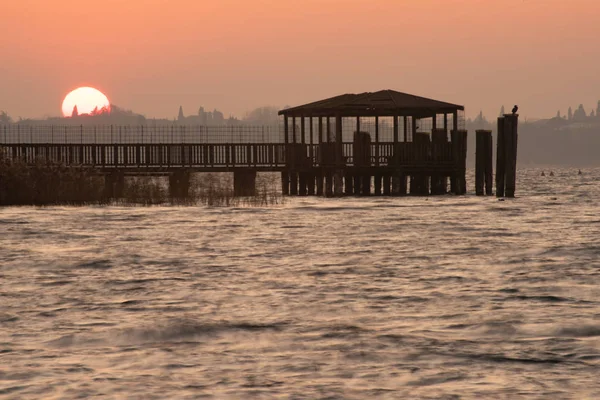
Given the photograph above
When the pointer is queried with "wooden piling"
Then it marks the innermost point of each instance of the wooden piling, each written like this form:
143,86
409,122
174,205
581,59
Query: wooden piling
302,183
377,184
483,162
293,183
511,122
489,172
387,185
500,159
348,183
310,183
285,183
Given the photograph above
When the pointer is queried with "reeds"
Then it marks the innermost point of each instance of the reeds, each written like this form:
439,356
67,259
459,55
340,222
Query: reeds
48,183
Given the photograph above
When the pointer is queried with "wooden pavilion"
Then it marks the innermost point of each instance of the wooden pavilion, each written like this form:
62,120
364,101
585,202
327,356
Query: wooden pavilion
386,143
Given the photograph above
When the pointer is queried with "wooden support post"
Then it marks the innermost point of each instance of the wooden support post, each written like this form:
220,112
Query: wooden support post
357,187
293,183
402,184
489,172
302,130
348,183
285,183
311,142
455,121
459,156
395,131
500,159
366,184
483,162
511,122
405,120
446,123
479,161
339,157
294,130
439,140
328,183
320,130
377,184
310,183
434,122
387,182
302,183
377,141
319,179
328,131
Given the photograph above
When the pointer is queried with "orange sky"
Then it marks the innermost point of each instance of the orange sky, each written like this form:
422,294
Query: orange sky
154,55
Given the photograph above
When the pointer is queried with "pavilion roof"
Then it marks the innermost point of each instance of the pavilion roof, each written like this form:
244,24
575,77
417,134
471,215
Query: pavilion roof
382,103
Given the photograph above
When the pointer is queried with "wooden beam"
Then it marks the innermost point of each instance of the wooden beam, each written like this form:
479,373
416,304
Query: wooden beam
395,129
293,129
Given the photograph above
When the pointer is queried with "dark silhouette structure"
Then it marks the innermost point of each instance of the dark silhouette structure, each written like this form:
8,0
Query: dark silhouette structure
350,160
515,109
382,143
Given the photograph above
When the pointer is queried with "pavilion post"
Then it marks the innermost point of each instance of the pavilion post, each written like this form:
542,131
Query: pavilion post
302,130
395,130
320,130
405,129
446,123
414,128
294,130
339,157
328,130
312,142
455,120
434,123
377,141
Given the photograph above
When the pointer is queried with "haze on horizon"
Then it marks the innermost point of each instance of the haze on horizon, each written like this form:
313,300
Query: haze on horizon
235,55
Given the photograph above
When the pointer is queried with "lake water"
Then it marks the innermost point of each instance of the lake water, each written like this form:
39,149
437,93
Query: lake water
355,298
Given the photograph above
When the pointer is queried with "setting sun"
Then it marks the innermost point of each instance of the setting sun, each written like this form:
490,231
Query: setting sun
87,100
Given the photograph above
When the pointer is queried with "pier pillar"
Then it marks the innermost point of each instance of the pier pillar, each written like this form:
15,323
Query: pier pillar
302,183
338,181
511,122
244,183
500,159
293,183
328,184
439,139
387,185
179,185
310,183
285,183
377,184
483,162
459,157
348,184
319,179
114,185
366,185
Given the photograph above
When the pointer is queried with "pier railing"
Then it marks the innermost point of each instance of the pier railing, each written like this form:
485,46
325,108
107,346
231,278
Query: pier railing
227,155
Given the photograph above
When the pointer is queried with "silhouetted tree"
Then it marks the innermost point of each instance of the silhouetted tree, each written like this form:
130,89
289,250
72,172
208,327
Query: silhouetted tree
180,117
570,114
75,113
502,111
558,114
592,114
598,110
5,118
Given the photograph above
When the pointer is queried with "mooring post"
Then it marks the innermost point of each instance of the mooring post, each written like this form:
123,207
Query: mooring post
459,157
500,159
479,161
511,122
489,171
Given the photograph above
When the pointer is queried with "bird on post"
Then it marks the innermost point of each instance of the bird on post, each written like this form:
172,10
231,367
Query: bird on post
515,109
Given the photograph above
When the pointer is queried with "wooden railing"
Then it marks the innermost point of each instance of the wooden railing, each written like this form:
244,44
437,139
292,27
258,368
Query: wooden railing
244,155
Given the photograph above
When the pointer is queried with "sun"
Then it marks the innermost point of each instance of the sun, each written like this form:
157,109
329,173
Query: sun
87,100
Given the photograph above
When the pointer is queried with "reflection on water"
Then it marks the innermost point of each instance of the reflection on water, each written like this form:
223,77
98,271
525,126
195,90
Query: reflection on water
345,298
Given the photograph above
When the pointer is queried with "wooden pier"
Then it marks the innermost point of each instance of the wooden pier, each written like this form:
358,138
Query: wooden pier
383,143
